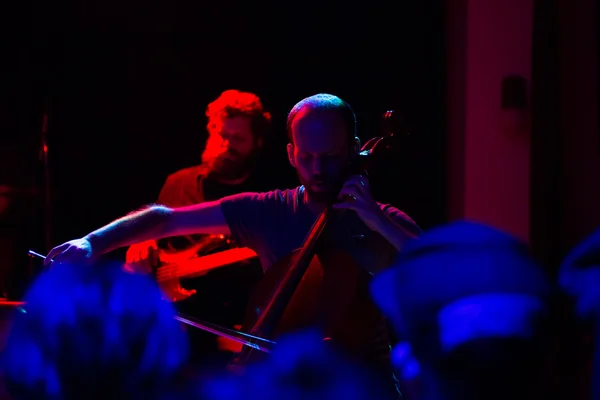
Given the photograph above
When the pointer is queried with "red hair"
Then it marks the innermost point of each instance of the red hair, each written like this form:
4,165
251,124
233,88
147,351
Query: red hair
234,103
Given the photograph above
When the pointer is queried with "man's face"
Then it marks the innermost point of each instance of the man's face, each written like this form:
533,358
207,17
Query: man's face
230,148
320,152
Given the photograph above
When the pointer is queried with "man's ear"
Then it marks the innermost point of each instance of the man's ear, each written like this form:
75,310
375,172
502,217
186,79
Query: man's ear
290,153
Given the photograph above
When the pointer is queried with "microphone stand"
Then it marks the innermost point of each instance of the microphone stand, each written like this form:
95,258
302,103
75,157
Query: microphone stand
43,157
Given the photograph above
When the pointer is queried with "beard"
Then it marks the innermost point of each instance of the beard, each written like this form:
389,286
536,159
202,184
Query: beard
230,165
321,188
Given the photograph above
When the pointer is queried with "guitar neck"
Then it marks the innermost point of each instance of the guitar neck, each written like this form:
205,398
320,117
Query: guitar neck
198,266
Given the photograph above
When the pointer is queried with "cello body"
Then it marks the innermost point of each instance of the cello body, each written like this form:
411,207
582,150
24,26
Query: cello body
332,295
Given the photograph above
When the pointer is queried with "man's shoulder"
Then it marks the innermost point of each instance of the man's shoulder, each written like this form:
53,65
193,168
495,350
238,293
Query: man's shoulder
285,196
258,210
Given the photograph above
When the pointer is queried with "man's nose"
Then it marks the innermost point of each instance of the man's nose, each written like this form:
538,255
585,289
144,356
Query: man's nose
317,166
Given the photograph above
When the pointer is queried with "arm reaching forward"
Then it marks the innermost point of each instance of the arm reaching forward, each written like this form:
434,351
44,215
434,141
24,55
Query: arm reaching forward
150,223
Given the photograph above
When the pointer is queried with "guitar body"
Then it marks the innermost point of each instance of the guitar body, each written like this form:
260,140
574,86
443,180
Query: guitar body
194,261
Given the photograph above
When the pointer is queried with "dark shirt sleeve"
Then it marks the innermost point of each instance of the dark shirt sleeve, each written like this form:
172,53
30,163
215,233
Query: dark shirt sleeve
246,215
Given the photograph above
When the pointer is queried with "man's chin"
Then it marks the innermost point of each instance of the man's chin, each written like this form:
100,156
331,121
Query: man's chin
227,169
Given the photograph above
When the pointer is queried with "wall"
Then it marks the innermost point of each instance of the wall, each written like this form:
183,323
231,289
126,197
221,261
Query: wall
496,41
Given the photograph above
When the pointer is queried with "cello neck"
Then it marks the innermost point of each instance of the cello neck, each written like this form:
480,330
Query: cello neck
282,293
307,250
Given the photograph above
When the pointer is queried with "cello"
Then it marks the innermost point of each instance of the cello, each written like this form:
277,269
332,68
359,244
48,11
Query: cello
291,293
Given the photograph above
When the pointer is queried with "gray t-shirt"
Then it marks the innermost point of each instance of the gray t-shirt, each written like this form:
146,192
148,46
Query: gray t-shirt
275,223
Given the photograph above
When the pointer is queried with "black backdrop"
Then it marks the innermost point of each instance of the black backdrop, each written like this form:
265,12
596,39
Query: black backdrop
126,84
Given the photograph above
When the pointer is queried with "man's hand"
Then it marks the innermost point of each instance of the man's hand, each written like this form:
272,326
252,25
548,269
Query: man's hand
78,251
142,257
356,195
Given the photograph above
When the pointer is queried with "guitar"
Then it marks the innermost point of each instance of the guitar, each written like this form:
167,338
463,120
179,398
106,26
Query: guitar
176,265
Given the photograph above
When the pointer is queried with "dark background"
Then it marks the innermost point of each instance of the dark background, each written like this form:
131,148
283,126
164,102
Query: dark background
125,85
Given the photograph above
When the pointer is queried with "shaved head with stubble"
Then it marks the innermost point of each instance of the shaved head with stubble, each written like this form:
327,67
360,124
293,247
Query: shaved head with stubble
323,144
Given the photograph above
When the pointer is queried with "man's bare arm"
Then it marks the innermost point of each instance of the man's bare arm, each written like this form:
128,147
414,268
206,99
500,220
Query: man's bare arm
396,234
157,222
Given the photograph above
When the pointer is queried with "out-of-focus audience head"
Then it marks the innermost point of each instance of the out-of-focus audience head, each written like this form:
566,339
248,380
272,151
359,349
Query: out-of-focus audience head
579,276
94,332
302,366
473,305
